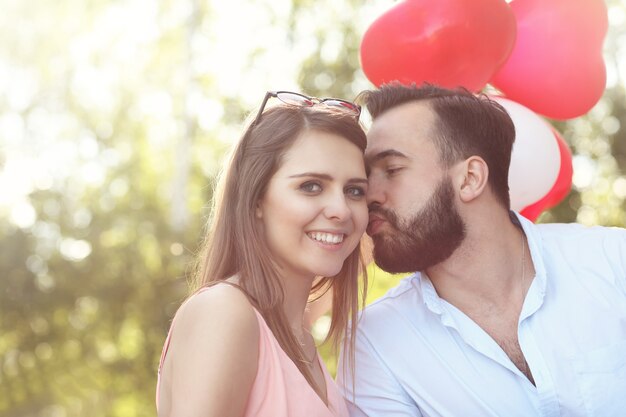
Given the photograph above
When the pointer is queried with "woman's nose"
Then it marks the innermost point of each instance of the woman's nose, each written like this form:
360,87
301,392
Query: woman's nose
337,207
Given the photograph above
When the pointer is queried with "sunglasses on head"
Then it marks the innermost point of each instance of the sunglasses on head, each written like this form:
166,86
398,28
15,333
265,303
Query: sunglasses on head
297,99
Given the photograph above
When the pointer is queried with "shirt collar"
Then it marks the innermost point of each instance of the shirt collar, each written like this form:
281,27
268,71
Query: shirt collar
429,293
537,290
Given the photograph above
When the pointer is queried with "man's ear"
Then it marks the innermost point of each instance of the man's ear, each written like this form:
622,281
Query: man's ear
472,176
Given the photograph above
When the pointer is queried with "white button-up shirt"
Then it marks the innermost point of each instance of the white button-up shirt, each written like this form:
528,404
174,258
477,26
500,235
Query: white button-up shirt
417,355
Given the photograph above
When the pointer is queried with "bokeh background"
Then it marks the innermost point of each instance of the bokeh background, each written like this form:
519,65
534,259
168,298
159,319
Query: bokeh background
114,118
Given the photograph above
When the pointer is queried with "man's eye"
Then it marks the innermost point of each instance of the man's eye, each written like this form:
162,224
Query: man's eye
311,187
393,171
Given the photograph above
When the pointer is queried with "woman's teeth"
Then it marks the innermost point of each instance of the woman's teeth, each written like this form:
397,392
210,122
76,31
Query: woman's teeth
326,237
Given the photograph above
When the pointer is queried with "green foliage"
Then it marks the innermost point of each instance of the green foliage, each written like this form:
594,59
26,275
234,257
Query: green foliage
113,119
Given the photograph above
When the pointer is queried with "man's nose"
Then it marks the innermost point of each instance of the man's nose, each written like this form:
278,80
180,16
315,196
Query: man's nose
375,192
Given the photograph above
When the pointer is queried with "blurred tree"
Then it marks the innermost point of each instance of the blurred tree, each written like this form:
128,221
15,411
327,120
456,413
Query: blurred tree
92,257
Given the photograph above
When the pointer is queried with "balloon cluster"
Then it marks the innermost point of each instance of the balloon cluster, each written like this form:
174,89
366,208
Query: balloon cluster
544,56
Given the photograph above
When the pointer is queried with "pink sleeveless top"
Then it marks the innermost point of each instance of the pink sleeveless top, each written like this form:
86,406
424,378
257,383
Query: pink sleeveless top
279,389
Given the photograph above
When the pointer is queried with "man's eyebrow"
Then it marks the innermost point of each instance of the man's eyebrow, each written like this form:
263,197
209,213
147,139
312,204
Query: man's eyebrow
371,159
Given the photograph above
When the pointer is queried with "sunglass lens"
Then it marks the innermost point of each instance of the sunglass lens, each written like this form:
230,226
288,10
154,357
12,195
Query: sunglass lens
343,104
294,99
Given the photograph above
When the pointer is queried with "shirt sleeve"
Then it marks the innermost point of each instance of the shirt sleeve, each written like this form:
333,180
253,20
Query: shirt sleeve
373,391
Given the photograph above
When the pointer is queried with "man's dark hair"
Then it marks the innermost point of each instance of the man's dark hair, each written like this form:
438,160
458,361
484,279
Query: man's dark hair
466,125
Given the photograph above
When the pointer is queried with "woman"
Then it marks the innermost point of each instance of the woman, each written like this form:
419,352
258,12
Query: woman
290,209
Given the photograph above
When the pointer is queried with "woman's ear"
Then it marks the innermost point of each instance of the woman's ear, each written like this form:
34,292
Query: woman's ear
472,176
258,211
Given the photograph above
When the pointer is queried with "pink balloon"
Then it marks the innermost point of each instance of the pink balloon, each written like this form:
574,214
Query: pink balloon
556,67
445,42
561,187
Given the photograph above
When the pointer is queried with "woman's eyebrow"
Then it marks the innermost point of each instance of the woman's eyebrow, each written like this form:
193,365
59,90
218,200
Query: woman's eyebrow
326,177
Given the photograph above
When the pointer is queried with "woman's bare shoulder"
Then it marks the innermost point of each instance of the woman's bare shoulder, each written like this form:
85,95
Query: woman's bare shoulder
214,353
217,308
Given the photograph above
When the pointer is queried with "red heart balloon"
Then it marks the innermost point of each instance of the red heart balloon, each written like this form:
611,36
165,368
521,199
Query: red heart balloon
444,42
556,67
561,187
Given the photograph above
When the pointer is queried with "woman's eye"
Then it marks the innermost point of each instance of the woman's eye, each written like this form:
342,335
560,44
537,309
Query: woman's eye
355,192
311,187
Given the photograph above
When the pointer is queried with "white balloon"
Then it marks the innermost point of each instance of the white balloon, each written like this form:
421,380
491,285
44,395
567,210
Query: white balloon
536,161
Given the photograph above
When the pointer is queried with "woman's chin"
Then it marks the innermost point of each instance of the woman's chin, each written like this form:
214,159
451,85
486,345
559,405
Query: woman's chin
329,272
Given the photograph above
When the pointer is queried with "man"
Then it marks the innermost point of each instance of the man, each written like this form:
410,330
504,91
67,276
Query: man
505,318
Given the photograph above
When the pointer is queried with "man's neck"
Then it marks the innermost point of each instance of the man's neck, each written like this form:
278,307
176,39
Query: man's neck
491,269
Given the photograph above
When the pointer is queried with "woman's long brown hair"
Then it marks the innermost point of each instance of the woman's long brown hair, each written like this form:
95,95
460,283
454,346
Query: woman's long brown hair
234,244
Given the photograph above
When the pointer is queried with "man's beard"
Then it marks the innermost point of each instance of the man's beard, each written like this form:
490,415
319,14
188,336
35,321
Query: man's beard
428,238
